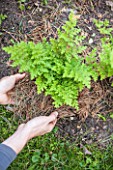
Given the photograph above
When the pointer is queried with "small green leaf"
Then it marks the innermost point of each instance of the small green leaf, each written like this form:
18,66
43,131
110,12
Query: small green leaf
111,115
102,117
35,158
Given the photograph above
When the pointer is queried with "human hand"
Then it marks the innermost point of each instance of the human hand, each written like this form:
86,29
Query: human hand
41,125
35,127
7,84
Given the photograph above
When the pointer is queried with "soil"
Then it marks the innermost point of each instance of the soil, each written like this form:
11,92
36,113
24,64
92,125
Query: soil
92,123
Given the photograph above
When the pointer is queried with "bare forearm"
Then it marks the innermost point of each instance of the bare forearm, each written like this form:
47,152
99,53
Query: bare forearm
18,140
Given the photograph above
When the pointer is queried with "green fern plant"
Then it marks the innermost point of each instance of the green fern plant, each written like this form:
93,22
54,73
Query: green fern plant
58,66
105,64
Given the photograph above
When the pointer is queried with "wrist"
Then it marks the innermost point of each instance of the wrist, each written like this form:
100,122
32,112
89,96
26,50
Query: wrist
28,131
18,140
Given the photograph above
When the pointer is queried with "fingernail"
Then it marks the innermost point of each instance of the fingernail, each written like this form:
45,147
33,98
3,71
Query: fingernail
23,74
55,113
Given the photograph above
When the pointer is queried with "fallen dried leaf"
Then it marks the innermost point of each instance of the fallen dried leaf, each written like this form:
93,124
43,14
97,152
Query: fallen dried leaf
87,152
110,3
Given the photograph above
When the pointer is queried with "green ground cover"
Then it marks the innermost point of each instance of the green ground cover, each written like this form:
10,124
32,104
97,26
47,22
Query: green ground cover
48,152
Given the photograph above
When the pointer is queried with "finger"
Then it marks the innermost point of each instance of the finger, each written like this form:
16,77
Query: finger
52,125
19,76
52,117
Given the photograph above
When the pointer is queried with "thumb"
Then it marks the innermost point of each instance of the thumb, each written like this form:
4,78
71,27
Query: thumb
19,76
52,117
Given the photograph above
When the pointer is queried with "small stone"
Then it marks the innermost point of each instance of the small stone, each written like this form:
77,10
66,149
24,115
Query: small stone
105,127
90,28
40,9
78,127
90,41
72,118
36,4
